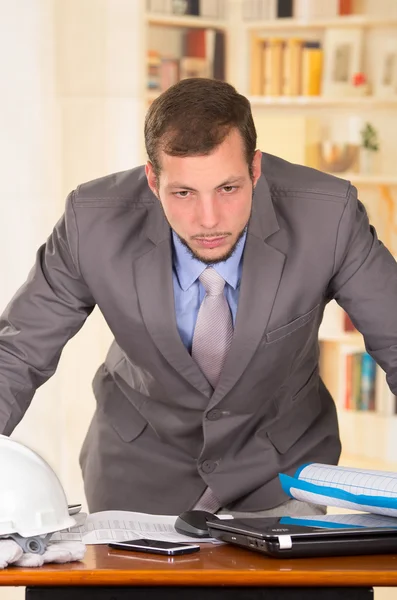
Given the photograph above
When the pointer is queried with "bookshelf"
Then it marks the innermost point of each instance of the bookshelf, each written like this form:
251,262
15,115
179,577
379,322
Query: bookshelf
342,337
366,431
367,427
369,434
186,21
362,179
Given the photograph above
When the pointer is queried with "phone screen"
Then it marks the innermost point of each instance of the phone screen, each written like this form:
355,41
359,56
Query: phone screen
155,546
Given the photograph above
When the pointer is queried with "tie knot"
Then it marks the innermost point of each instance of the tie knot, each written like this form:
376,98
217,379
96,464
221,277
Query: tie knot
213,282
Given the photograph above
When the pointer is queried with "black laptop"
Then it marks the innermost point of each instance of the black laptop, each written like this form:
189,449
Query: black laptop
295,537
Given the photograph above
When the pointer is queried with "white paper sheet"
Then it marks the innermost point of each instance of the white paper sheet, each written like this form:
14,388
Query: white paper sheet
355,481
113,525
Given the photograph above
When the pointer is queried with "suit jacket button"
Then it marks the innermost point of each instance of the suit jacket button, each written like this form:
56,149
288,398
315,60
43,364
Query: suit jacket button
208,466
214,415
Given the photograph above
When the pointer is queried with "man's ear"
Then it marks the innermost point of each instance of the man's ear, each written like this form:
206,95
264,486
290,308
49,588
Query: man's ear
256,167
151,178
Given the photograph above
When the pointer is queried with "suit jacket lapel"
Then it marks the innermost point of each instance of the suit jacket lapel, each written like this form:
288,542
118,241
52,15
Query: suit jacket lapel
262,270
153,273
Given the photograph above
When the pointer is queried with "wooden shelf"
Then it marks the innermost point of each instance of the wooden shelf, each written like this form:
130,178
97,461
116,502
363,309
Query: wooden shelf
185,21
322,102
342,338
357,177
362,179
347,21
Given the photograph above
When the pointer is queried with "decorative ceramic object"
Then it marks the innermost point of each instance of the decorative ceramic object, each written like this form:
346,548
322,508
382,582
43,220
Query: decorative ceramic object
335,157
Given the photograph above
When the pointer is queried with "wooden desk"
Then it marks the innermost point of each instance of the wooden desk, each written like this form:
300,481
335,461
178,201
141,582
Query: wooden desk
216,572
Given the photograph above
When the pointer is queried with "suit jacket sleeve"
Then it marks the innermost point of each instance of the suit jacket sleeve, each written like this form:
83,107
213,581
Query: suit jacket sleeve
44,314
365,285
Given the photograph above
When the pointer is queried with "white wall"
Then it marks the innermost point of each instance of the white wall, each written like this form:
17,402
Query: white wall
30,175
71,109
100,86
30,170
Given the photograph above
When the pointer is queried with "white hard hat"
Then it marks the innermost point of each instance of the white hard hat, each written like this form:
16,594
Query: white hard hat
32,499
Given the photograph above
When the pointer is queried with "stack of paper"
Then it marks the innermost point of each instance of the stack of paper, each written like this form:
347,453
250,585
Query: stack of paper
116,525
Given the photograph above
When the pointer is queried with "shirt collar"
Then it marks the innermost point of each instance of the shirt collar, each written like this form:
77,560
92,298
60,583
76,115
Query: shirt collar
188,268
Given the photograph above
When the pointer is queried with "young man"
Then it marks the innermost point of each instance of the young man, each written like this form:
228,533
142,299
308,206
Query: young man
212,266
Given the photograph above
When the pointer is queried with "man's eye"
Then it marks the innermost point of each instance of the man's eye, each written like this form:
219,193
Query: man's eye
182,194
229,188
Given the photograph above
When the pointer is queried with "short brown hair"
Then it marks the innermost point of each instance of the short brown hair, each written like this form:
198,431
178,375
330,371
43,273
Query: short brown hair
194,116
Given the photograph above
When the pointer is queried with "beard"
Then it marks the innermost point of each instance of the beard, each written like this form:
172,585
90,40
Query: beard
218,259
222,257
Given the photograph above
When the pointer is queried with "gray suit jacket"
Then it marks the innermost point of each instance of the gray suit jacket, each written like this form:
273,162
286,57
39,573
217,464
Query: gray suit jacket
160,435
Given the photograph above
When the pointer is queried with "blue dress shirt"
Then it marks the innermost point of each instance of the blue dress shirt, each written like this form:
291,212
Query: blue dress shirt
189,292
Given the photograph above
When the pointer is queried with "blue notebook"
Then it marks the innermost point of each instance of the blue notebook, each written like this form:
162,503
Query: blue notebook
345,487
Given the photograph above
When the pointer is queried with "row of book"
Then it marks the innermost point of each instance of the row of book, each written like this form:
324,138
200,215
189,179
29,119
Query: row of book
360,381
164,71
210,9
299,9
203,55
366,388
287,67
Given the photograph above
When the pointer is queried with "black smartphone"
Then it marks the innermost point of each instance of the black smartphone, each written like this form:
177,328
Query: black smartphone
155,547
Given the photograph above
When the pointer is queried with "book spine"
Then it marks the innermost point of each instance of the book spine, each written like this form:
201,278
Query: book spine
312,65
169,72
349,380
153,71
219,59
193,7
210,9
256,67
284,9
272,10
316,9
345,7
273,67
356,384
368,372
347,323
195,43
168,7
292,67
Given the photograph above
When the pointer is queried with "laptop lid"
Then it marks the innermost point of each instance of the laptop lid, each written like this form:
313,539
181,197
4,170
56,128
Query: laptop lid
328,525
288,532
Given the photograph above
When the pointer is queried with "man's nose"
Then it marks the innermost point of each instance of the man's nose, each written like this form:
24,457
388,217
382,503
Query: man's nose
208,214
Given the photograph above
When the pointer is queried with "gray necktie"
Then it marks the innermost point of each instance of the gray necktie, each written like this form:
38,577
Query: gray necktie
211,341
214,327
